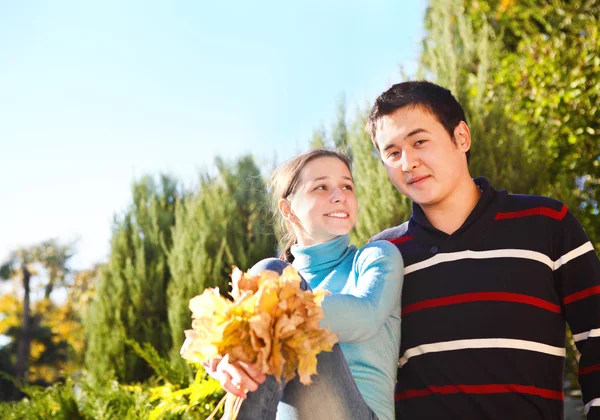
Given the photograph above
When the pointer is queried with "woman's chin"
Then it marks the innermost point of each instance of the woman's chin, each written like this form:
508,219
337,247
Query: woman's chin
340,231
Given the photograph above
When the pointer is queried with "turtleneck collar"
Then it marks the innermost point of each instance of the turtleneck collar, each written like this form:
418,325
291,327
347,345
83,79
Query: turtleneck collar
323,256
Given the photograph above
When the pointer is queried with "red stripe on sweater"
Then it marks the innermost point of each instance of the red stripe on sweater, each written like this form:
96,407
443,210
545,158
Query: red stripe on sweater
589,369
400,240
582,295
480,389
537,211
482,296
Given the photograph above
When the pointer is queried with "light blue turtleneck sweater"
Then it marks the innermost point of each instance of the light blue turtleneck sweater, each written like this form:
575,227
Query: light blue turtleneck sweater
363,309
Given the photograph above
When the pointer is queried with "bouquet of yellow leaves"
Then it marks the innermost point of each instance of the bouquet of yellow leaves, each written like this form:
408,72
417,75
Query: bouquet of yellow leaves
271,323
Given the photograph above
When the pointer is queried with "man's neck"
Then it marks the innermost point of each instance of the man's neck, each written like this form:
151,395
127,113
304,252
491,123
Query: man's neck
450,214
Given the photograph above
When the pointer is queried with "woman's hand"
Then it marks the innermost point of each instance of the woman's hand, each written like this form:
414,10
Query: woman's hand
236,378
211,367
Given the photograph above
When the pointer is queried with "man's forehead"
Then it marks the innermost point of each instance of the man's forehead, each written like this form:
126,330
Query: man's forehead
403,121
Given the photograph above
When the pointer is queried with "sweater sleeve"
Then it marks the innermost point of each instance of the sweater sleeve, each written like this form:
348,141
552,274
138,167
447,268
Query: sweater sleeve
577,276
359,315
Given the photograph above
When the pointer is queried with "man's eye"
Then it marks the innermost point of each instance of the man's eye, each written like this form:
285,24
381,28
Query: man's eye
348,187
419,142
391,155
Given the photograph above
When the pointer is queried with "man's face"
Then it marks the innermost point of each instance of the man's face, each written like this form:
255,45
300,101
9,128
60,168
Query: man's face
419,155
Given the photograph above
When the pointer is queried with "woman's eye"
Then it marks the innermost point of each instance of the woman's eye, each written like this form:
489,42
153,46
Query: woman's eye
419,142
391,155
320,187
348,187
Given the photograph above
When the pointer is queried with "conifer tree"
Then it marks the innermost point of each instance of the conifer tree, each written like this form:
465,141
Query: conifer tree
221,225
339,131
130,302
319,138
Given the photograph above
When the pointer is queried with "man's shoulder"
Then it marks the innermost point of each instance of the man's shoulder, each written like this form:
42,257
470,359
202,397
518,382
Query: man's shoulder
523,211
528,202
391,233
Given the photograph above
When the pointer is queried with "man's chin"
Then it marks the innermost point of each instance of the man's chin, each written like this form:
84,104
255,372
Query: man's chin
423,201
421,197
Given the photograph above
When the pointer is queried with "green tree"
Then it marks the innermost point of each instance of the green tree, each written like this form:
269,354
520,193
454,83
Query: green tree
462,54
546,71
339,131
551,77
319,138
130,300
219,226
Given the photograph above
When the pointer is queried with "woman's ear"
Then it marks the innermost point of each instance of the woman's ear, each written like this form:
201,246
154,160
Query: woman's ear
286,210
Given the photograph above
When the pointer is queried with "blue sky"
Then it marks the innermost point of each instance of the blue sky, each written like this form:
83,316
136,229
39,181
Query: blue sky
96,94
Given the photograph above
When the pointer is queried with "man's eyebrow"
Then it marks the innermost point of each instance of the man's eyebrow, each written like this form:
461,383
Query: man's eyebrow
416,131
389,146
412,133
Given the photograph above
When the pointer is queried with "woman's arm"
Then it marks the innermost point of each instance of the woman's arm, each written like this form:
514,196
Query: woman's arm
358,316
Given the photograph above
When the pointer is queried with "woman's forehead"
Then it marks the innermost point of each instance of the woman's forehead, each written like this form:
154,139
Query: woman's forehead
324,168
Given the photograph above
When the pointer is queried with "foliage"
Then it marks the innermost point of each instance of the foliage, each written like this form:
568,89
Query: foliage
163,370
176,395
339,131
55,339
130,299
219,226
200,397
78,400
56,401
82,397
40,267
319,138
552,79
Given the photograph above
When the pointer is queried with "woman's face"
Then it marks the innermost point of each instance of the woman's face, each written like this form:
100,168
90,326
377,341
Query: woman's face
324,205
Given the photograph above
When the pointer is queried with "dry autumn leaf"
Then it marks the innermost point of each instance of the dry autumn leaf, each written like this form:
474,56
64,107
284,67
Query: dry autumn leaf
271,323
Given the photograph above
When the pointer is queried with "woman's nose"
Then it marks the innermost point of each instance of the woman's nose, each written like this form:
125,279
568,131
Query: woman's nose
338,195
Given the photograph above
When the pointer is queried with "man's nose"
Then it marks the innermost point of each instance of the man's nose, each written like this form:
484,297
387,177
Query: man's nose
409,162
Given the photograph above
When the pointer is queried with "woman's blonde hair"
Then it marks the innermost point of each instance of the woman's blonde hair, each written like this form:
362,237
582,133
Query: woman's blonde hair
284,181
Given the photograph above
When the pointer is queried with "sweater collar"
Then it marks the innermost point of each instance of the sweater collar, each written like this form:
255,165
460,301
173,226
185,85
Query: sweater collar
322,256
487,195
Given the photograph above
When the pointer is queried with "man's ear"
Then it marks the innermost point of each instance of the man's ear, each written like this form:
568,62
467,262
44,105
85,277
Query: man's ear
286,210
462,136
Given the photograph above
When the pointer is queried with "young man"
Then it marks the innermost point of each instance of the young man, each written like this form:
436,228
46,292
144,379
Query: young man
490,277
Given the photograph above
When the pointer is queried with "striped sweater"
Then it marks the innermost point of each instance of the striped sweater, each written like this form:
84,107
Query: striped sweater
484,310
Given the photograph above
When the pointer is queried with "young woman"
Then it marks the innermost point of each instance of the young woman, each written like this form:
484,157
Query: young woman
314,196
